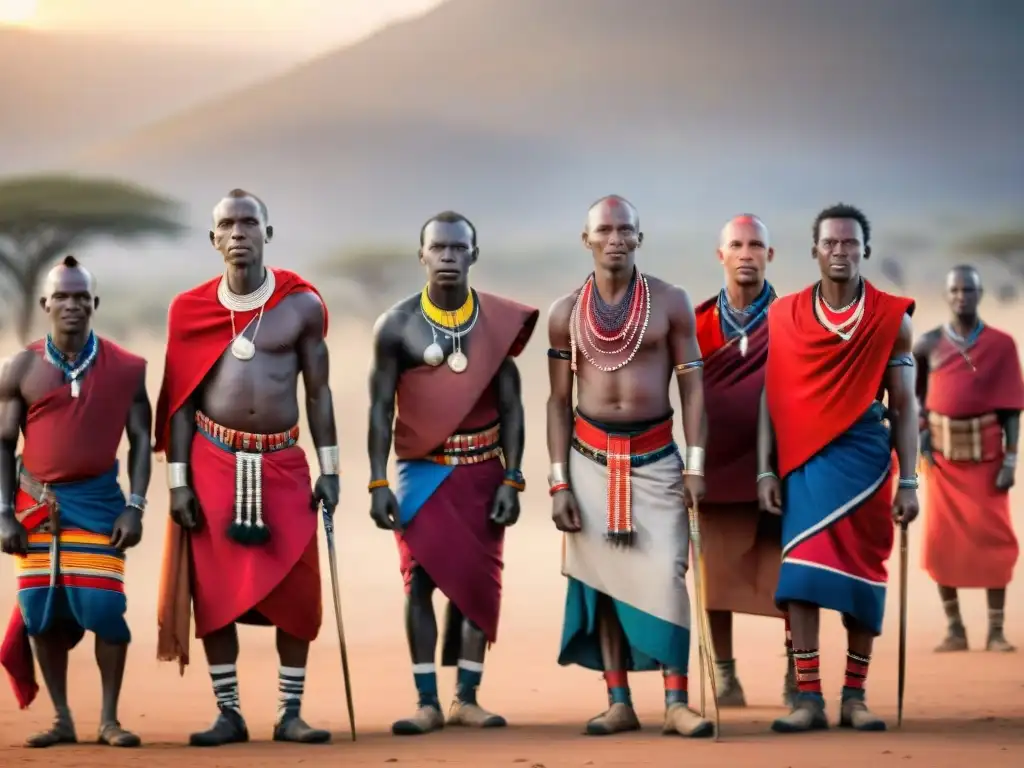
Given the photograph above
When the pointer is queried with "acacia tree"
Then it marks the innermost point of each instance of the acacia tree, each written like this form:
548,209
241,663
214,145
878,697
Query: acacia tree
43,217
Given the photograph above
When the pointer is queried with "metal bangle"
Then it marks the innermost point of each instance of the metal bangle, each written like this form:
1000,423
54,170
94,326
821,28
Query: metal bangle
177,474
1010,460
694,461
557,475
137,501
329,461
761,476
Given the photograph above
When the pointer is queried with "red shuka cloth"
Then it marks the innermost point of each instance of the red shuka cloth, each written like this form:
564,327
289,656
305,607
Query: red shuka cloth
68,439
818,385
198,333
969,540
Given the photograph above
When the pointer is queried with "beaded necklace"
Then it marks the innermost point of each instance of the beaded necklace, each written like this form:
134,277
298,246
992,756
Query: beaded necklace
843,322
455,324
586,331
73,371
736,322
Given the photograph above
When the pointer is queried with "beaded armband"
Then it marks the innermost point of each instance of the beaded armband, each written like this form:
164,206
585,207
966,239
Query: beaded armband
560,354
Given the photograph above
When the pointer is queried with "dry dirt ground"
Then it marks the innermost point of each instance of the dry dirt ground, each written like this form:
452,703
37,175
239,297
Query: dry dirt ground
967,708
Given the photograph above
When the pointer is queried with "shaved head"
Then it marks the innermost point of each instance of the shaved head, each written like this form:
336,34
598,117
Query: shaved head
69,270
964,272
744,221
963,292
610,203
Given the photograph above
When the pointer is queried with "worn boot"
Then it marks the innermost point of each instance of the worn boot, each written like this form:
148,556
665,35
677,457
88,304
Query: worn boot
113,735
680,719
294,729
854,713
61,732
730,691
996,639
472,715
228,728
789,687
618,718
427,719
808,715
955,640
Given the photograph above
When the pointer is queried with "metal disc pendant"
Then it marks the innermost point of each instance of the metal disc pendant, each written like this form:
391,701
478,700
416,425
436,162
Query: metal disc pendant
743,345
457,362
433,355
243,349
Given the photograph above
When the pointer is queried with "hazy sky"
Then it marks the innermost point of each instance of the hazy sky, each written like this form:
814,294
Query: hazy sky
293,26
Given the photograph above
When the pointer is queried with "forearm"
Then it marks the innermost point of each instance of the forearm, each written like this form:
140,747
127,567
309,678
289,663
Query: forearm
1010,421
765,438
378,443
513,434
320,414
140,465
8,475
691,394
183,430
559,429
905,426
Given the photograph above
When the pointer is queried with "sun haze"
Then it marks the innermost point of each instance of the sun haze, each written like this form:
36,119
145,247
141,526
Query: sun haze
18,12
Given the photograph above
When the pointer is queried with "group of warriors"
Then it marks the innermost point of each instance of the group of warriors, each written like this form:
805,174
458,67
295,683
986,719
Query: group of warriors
803,423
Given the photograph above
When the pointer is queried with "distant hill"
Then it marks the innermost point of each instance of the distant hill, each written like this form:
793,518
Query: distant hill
60,92
521,112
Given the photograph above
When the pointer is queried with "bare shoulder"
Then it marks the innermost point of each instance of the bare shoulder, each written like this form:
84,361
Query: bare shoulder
926,341
560,316
674,298
390,325
13,370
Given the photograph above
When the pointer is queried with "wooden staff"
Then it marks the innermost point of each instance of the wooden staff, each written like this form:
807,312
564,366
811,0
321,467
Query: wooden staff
902,676
706,652
328,517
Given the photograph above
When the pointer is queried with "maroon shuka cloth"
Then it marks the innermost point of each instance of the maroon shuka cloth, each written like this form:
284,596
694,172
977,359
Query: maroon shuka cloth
452,537
957,391
732,395
432,403
68,439
742,545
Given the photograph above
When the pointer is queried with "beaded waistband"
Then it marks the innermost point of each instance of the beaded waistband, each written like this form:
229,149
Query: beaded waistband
250,442
645,448
470,447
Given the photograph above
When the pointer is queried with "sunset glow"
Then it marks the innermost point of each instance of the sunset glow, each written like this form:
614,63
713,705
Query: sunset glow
17,12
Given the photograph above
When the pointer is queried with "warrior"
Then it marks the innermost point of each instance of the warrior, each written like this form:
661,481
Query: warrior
620,490
741,542
243,507
835,350
63,514
445,357
970,393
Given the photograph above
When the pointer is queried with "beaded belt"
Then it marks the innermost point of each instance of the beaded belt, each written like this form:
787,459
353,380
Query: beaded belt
470,447
250,442
248,526
976,439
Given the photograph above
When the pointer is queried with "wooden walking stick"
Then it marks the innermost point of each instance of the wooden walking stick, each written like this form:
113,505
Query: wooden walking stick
902,676
706,653
328,517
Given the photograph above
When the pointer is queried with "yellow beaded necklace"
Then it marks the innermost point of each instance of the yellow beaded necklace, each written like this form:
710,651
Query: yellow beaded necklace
444,317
